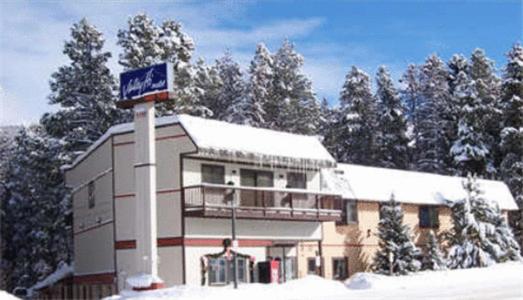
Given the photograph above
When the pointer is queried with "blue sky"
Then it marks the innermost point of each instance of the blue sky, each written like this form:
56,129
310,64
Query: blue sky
331,35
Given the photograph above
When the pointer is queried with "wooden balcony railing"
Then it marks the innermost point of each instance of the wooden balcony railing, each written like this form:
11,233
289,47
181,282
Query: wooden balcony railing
214,200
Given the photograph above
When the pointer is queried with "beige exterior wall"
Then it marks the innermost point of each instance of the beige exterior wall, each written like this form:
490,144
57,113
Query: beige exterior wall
93,226
358,242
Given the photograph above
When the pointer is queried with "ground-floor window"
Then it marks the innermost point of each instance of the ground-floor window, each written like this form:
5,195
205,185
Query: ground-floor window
339,268
221,270
311,265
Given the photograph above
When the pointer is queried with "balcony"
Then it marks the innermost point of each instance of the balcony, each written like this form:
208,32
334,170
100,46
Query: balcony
214,200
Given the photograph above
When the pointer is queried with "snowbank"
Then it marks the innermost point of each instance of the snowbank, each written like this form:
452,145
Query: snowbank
6,296
64,270
502,281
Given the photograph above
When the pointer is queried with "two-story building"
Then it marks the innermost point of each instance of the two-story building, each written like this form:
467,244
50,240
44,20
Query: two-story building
292,202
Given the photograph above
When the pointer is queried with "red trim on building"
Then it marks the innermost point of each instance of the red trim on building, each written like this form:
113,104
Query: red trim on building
170,241
102,278
93,228
179,241
167,191
168,137
128,244
176,136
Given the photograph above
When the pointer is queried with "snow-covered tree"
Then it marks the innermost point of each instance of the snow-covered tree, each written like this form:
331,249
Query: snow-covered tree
228,105
145,43
488,88
293,106
38,212
457,63
433,258
356,121
480,235
391,131
84,91
411,98
394,237
432,144
259,88
511,145
469,150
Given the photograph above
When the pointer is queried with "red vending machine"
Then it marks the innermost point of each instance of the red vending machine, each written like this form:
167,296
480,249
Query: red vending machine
275,271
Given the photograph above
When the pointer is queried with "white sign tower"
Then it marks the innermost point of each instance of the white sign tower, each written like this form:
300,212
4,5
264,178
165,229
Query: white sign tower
140,89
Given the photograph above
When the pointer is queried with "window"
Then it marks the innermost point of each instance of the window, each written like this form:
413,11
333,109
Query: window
256,178
90,194
297,180
311,265
339,268
221,270
428,217
213,174
351,212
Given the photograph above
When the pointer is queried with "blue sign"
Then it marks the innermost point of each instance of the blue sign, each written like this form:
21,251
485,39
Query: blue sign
138,83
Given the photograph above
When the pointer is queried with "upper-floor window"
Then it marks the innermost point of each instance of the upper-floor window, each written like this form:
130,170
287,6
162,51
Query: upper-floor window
428,216
90,194
213,174
351,211
256,178
296,180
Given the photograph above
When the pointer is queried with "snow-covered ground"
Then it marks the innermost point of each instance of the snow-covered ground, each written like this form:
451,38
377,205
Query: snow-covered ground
6,296
502,281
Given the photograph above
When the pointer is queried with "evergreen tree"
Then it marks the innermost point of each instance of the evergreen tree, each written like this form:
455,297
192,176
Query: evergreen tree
480,235
412,98
469,150
84,90
144,43
260,88
356,121
38,212
433,258
432,143
457,64
293,106
391,141
511,145
488,87
208,83
228,105
394,237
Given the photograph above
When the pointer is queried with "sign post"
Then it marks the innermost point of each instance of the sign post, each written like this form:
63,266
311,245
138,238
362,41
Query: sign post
140,89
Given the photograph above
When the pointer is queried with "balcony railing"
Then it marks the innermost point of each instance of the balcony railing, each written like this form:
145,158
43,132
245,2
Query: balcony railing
214,200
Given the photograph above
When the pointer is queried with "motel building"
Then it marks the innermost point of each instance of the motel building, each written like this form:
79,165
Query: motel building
294,205
173,200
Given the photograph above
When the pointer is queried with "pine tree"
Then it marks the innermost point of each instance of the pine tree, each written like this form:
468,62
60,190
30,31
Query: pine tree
511,145
356,121
432,143
293,106
84,90
38,213
144,43
411,97
394,237
488,87
391,141
208,83
433,258
259,88
469,150
228,105
480,235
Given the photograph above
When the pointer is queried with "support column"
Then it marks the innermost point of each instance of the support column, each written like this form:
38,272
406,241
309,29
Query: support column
145,190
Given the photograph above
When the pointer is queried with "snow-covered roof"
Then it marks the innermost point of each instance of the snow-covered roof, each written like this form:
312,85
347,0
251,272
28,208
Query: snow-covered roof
377,184
226,140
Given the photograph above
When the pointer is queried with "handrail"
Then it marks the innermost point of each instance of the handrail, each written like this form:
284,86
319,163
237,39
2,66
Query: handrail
265,189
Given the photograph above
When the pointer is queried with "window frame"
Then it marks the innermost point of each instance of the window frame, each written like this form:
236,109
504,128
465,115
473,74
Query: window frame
345,262
432,215
297,175
91,197
213,167
345,216
309,271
